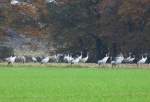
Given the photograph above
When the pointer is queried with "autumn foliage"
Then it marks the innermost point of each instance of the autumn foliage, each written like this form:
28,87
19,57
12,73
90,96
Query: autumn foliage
79,24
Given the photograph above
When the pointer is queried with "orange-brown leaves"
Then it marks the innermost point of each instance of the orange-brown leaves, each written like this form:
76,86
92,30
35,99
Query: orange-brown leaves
133,8
32,31
27,9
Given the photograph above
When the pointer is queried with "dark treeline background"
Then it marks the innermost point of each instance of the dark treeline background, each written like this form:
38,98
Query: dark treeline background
96,26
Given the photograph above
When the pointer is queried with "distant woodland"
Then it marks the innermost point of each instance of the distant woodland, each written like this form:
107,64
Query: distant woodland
96,26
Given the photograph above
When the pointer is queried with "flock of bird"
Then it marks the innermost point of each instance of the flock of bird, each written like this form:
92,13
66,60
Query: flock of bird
68,58
121,59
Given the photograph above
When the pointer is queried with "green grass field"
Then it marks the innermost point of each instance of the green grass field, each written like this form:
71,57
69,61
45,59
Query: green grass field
56,84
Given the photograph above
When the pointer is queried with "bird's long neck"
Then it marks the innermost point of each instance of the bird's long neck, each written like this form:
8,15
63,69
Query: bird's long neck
106,55
81,54
87,55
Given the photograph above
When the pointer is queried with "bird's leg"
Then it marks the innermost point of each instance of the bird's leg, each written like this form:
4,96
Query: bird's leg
118,65
113,65
103,66
9,63
99,65
137,65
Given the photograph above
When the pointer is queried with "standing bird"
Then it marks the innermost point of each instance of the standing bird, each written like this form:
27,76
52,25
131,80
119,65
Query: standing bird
68,58
85,59
11,59
118,60
76,60
104,60
142,60
22,59
55,58
34,59
45,60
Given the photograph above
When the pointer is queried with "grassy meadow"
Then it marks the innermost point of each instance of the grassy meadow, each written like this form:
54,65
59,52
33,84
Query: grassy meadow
43,83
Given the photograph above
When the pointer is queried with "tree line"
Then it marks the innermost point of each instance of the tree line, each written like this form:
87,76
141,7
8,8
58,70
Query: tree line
96,26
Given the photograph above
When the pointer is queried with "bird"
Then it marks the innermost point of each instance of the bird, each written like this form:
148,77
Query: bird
14,2
68,58
45,60
104,60
118,60
23,59
20,59
75,60
85,59
142,60
55,58
34,59
129,59
51,1
11,59
41,25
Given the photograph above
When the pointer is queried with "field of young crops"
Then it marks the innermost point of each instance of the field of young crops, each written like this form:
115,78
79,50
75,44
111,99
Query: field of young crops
44,83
